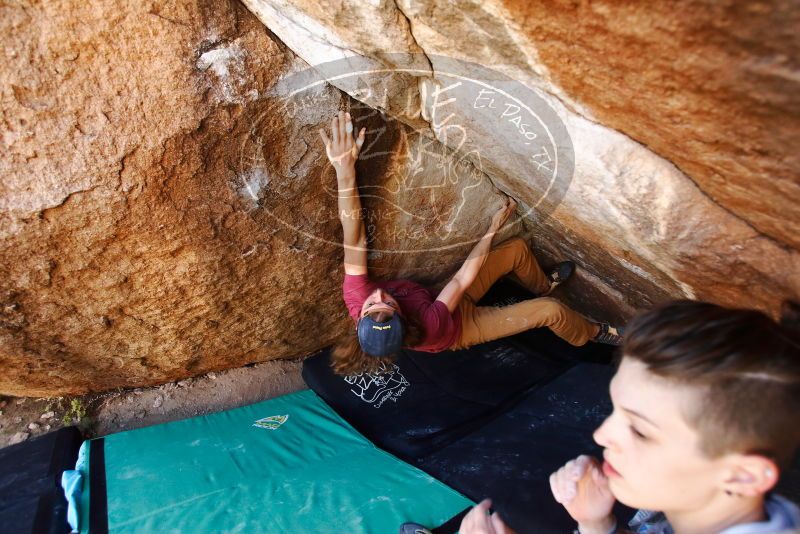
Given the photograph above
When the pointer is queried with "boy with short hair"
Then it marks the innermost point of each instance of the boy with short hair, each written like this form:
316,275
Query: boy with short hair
706,414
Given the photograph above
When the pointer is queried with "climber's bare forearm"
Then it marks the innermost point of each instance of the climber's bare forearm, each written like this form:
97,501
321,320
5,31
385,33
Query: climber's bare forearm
472,266
342,150
477,257
350,210
453,292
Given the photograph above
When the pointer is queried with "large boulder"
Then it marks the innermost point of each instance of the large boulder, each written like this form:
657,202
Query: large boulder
164,214
683,123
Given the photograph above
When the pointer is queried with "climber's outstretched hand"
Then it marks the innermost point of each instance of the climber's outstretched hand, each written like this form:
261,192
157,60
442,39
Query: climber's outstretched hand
342,148
500,218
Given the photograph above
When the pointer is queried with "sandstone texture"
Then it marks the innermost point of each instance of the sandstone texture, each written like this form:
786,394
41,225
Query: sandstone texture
164,215
682,119
167,209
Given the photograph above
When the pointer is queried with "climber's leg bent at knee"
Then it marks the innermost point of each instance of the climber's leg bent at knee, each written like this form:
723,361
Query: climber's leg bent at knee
512,258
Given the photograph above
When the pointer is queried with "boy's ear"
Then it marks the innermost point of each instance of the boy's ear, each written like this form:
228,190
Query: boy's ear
749,475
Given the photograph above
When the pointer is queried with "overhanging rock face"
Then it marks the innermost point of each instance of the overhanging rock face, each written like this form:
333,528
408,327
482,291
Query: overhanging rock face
168,210
682,121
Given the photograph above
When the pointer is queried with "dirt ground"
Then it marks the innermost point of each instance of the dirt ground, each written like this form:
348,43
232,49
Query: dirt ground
23,418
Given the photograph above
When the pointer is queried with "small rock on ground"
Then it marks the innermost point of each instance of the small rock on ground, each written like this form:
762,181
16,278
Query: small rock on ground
19,437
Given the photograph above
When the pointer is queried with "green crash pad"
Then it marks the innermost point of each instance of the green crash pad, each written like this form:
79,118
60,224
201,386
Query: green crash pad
288,464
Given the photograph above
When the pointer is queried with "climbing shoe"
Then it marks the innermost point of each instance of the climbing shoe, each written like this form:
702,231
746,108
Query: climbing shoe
413,528
560,273
609,335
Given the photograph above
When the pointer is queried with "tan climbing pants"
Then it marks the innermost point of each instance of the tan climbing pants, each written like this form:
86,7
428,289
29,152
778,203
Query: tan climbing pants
485,323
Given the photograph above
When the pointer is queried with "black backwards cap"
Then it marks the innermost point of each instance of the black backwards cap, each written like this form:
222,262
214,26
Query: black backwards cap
381,339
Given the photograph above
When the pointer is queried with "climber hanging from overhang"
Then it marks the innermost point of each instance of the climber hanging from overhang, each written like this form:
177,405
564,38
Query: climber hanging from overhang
397,314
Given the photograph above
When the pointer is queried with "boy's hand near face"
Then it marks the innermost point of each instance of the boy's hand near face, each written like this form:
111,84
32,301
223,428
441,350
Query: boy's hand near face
583,489
342,148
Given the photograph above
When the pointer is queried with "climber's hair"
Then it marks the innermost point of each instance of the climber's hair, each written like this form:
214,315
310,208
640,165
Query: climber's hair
347,357
746,365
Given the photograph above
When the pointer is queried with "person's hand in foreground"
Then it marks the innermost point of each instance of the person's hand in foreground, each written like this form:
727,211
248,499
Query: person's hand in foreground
502,215
342,147
582,488
478,521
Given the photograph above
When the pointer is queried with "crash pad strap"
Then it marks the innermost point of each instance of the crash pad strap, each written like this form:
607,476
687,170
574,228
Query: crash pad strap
98,520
